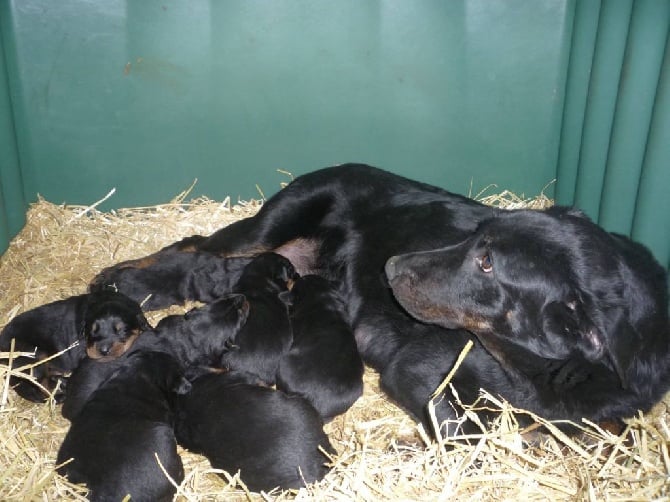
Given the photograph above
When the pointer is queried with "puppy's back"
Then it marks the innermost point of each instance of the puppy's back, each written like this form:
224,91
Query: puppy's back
271,438
45,330
118,431
323,364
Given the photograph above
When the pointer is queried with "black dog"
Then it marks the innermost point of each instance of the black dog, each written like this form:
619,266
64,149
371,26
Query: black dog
345,223
266,336
105,324
182,273
554,298
323,364
274,440
120,433
201,337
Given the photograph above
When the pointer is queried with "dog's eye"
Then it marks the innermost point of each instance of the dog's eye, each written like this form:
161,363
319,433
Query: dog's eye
485,263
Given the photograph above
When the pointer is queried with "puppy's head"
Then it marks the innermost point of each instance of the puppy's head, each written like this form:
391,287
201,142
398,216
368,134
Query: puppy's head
271,270
112,323
551,282
217,322
310,290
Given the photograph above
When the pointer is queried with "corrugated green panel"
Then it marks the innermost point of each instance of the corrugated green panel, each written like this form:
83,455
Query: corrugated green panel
652,215
614,152
637,92
12,203
585,29
602,96
145,96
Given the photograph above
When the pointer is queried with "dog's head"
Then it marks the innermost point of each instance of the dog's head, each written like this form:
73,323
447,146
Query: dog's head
551,282
216,323
112,323
311,291
268,271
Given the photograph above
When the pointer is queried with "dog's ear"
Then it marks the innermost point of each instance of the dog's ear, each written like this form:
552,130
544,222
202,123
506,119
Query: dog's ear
613,344
615,339
622,344
567,320
562,211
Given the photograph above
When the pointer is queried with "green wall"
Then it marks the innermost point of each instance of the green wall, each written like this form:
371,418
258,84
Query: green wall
145,96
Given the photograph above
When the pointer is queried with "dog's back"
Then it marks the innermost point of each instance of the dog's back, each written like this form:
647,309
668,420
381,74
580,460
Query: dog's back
45,331
271,438
266,336
121,433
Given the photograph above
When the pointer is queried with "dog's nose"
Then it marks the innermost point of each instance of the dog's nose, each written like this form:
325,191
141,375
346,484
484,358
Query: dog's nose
104,348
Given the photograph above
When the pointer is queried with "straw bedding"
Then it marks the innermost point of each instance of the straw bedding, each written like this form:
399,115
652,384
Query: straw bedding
381,452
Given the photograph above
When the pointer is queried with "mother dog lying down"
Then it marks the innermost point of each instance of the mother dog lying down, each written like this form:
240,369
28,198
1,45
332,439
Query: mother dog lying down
568,321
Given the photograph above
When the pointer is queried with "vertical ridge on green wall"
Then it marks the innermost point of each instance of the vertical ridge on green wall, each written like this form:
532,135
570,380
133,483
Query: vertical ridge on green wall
651,223
12,202
614,157
601,103
584,31
637,92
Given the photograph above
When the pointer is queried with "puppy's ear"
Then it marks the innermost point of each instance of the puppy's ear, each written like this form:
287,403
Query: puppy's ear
287,272
238,300
181,386
286,297
198,322
143,323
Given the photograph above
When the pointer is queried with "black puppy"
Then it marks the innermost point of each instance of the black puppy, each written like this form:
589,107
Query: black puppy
124,429
274,440
346,222
201,337
323,364
183,273
102,324
266,336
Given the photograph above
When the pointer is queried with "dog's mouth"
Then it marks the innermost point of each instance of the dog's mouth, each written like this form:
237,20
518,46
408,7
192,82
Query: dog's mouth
108,352
418,305
413,298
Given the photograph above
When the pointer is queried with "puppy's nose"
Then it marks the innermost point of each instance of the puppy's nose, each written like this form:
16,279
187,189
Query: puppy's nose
390,268
104,348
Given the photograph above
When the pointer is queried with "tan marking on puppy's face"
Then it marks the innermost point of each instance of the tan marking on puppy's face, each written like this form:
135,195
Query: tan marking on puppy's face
117,350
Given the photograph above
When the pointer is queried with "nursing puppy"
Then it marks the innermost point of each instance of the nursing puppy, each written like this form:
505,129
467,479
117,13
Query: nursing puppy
323,364
195,340
271,438
266,336
124,429
102,325
201,337
183,273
